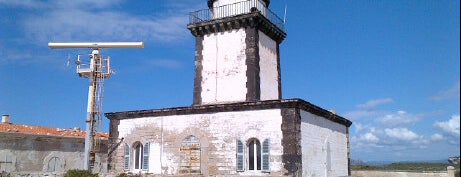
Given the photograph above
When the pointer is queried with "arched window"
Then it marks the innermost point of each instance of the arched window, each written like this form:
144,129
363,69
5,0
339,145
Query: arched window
257,156
190,156
254,155
54,164
137,155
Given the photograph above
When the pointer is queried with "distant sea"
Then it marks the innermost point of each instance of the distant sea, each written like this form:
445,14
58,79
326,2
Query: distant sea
382,163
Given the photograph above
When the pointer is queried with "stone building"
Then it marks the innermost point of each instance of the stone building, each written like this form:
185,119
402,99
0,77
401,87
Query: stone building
37,151
238,124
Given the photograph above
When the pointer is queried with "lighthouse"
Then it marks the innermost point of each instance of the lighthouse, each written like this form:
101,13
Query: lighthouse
238,123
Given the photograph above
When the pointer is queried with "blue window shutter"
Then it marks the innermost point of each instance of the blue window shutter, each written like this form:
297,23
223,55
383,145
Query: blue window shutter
145,157
266,157
127,157
240,157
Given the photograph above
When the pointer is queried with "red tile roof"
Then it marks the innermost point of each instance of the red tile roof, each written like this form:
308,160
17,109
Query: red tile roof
40,130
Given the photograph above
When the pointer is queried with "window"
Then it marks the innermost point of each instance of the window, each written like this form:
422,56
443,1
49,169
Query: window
137,155
254,155
258,157
190,156
53,164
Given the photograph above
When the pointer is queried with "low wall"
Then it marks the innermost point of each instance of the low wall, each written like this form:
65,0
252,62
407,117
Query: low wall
397,174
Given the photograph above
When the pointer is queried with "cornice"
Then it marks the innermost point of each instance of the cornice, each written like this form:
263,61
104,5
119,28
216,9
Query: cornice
253,19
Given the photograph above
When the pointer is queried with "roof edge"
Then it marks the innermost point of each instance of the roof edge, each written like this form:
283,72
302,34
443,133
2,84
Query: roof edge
229,107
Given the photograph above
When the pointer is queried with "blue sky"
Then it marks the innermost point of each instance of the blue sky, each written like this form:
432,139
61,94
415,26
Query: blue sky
391,67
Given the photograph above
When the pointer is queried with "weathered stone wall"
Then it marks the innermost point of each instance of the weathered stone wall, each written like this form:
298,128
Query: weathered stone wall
217,132
223,68
324,146
269,72
291,141
245,67
31,154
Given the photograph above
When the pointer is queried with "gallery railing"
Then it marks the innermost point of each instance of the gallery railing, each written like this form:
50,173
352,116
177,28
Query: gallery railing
235,9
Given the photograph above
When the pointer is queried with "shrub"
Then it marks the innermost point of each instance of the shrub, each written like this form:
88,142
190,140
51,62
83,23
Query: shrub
80,173
4,174
128,175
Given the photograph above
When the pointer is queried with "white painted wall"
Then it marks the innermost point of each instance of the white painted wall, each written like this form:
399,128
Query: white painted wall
316,133
224,69
268,67
224,129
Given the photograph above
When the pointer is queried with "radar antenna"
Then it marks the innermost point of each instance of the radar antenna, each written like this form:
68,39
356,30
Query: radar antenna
96,69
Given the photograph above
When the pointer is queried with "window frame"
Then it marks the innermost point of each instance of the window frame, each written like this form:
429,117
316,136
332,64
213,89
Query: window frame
254,155
137,157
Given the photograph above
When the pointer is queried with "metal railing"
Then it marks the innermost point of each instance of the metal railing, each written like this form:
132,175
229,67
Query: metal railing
235,9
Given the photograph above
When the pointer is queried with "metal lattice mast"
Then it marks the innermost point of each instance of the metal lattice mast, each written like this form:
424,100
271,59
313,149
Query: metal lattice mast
96,71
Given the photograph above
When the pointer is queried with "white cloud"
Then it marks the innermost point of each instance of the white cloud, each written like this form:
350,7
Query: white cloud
366,110
374,103
360,127
452,92
88,20
401,134
369,137
399,118
80,24
437,137
450,126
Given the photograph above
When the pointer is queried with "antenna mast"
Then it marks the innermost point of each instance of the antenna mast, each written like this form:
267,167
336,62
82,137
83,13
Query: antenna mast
96,71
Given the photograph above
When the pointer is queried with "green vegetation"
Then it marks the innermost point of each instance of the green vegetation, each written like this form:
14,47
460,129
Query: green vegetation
80,173
4,174
406,166
128,175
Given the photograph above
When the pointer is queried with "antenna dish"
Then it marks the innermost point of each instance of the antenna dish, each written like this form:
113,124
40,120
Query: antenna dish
95,45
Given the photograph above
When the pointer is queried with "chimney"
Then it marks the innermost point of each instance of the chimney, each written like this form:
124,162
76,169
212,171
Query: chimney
6,118
333,111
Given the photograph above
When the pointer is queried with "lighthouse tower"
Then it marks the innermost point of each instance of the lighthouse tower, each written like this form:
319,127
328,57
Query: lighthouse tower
237,57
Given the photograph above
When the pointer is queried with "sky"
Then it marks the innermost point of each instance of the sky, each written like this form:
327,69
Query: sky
391,67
